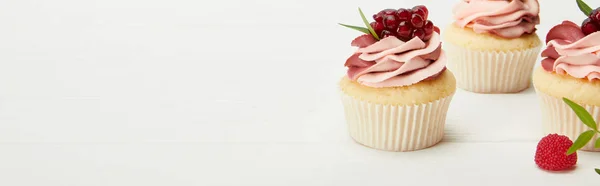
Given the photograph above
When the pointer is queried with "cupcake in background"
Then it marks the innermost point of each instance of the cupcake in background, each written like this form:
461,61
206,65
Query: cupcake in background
397,90
570,69
492,45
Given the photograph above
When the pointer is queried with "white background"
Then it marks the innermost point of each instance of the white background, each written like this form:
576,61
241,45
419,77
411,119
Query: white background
230,92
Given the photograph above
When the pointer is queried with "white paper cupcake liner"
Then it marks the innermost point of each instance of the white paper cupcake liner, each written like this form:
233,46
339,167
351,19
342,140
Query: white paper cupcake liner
396,128
559,118
491,72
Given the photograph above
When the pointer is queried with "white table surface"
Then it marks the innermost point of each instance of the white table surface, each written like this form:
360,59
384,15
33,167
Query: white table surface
232,92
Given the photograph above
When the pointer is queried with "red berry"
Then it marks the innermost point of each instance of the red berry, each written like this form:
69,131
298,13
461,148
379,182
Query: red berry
419,33
386,33
421,10
404,14
551,153
390,22
404,30
588,26
378,27
417,21
595,15
428,27
378,17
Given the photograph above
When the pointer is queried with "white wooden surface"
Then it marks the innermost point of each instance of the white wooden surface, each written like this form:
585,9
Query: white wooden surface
233,92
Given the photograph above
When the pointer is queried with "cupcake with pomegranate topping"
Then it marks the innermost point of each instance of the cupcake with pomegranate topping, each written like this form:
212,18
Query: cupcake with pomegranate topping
492,45
570,69
397,90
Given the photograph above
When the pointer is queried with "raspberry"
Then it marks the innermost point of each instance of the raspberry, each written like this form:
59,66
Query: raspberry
551,153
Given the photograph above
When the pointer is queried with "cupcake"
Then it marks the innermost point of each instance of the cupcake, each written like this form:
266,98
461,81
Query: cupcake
570,69
492,45
397,90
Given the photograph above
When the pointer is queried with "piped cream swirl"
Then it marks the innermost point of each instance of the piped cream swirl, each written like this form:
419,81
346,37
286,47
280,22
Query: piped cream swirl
508,19
391,62
570,51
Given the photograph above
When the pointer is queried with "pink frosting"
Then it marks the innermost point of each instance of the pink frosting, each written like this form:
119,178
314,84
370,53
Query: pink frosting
570,51
391,62
508,19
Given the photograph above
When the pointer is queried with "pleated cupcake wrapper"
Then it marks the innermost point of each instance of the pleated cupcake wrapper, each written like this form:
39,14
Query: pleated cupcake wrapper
491,72
396,128
559,118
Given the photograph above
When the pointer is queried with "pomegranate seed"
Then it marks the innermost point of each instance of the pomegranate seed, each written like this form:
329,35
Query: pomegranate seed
378,27
428,27
417,21
387,33
436,29
404,14
378,17
390,22
389,11
419,33
427,37
595,15
404,30
588,26
421,10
